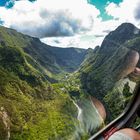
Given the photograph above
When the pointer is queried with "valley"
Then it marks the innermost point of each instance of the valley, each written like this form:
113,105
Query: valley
41,85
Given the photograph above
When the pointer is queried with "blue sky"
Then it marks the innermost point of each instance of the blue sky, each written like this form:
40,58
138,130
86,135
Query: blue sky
68,23
10,3
101,4
3,2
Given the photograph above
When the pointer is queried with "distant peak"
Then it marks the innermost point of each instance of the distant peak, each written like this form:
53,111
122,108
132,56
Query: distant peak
127,24
128,27
120,35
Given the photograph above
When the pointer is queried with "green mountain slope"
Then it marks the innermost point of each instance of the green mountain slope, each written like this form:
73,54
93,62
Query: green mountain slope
47,59
30,107
110,63
107,62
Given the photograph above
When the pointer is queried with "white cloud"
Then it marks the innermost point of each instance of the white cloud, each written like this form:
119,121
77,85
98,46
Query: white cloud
50,17
73,18
78,41
125,11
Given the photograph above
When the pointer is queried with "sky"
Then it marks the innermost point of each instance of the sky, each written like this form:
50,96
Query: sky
68,23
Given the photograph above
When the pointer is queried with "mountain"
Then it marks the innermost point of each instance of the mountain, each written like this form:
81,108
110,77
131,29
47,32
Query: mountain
123,33
47,59
105,60
110,63
68,59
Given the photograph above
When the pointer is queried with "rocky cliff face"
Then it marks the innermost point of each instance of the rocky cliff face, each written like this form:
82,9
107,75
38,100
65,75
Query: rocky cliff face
4,125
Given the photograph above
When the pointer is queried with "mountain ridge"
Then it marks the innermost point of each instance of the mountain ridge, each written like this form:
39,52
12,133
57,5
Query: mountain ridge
49,59
109,64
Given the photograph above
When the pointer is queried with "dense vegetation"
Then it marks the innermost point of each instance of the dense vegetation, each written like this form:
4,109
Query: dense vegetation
38,83
35,108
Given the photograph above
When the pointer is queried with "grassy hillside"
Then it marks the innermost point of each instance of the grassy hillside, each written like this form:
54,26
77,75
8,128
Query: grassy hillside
31,108
39,112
